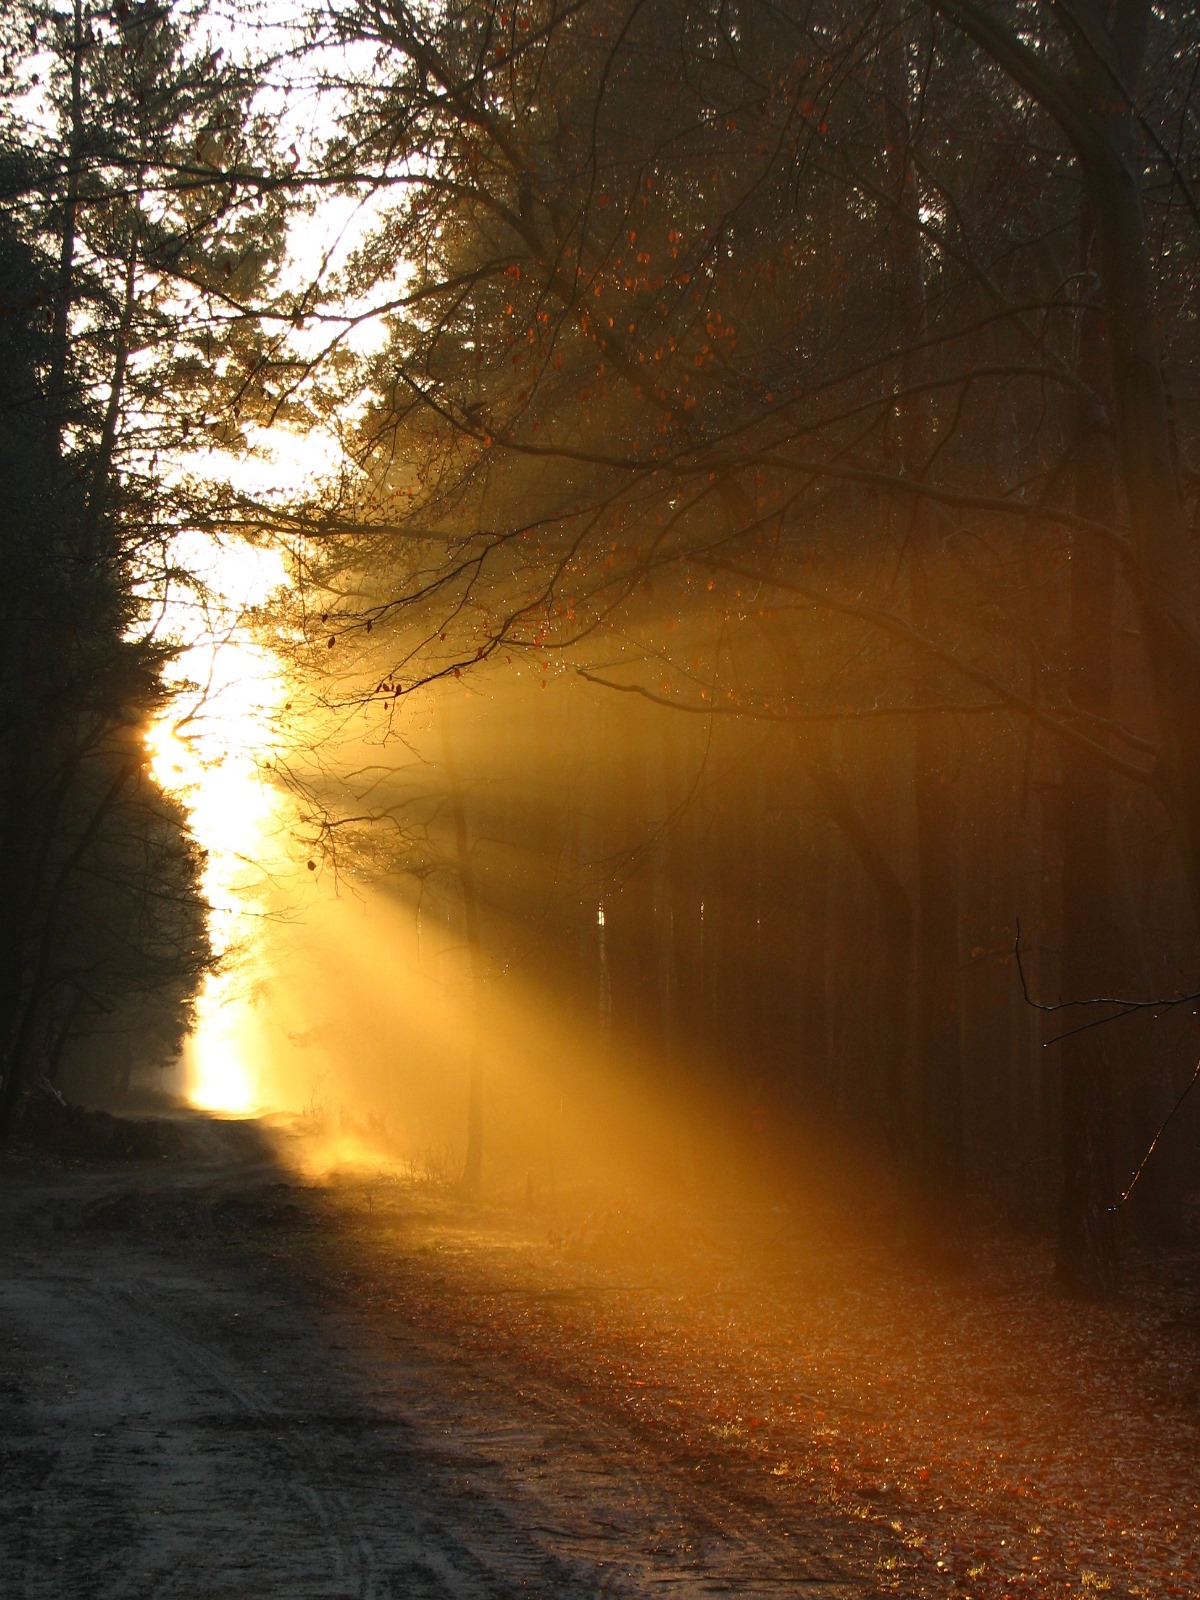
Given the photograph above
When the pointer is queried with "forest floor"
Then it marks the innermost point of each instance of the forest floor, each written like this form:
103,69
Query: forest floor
221,1377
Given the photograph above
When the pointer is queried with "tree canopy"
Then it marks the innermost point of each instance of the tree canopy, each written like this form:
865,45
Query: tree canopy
804,393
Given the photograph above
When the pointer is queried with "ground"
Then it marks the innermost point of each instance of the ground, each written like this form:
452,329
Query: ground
221,1376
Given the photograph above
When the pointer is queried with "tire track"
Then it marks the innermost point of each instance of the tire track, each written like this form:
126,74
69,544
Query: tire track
205,1431
352,1559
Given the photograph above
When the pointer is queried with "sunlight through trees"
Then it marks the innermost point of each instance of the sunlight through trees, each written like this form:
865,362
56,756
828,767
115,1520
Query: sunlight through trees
749,488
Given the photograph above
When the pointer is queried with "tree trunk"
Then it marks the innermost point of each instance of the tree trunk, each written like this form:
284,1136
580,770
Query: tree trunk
65,291
1087,1257
938,1019
472,1173
1163,559
938,1045
1094,108
813,955
896,909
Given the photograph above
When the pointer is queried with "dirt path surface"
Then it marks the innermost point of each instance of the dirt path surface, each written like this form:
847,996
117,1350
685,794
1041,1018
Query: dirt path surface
177,1417
221,1378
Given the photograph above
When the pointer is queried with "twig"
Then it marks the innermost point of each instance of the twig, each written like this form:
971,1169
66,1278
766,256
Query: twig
1125,1006
1141,1166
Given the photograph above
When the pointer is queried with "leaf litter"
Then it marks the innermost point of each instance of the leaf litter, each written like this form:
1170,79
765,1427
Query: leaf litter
976,1434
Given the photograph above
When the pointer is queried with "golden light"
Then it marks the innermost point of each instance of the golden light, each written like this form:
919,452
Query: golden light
210,749
336,998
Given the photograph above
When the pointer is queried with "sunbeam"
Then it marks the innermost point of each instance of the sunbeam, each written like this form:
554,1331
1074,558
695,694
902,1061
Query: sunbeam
210,748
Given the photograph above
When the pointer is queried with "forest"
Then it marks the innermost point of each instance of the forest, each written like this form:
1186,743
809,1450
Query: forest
749,595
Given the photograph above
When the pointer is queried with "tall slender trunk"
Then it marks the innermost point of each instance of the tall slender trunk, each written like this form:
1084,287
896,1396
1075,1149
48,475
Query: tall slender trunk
1087,1256
814,961
670,864
1167,590
938,1046
65,289
938,1017
102,471
896,910
472,1173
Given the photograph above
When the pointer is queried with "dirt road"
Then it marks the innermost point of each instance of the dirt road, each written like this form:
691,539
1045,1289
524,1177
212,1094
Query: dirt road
179,1418
221,1378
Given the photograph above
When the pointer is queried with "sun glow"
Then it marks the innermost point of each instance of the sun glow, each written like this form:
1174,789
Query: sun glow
213,748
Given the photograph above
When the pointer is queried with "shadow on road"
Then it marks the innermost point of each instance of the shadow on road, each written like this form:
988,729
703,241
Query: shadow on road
185,1412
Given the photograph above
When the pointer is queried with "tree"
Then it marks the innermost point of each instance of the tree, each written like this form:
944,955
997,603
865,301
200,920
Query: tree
1090,77
720,320
125,243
